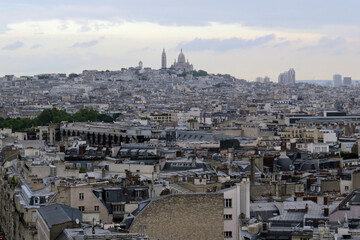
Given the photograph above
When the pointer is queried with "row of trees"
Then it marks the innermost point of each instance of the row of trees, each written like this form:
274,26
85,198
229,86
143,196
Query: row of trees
54,116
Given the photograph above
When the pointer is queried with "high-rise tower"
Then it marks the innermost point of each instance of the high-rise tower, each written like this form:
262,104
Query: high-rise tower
163,60
287,78
337,80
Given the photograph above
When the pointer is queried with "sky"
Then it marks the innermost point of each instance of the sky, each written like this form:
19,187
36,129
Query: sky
246,39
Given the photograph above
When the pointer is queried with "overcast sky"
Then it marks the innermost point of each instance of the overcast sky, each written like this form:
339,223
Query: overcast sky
244,38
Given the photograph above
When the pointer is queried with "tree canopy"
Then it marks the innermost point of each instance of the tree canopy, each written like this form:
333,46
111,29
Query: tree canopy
54,116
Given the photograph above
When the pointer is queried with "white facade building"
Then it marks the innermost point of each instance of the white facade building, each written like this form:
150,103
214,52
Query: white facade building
236,203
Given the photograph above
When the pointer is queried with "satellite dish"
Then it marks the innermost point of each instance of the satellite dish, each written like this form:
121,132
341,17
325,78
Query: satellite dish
77,221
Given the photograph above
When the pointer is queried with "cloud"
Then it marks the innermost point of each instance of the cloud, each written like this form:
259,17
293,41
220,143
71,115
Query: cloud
139,50
85,44
36,46
326,43
4,29
63,27
85,28
215,44
285,43
277,13
13,46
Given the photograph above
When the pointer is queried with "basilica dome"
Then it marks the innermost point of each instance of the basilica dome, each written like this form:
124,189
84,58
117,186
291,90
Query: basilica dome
181,58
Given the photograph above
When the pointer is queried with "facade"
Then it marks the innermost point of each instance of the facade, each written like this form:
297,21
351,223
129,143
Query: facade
82,198
164,117
337,80
181,216
236,206
266,79
287,78
347,81
54,218
163,59
182,64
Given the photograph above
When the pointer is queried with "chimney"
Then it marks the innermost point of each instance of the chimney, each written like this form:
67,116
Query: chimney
230,155
103,173
52,187
230,159
193,162
283,146
252,165
326,211
157,168
306,208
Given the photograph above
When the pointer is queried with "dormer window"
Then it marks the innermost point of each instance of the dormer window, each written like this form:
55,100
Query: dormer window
36,201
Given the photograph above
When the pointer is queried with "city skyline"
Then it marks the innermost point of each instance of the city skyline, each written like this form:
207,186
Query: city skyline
250,40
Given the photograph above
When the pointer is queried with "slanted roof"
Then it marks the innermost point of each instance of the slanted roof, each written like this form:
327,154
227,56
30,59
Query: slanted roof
59,213
289,216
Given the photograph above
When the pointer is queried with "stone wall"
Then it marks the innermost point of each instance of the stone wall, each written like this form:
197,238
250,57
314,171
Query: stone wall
356,180
330,185
185,216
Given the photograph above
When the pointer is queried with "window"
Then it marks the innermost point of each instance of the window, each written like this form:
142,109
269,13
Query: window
88,165
138,193
228,234
118,208
228,217
81,196
346,188
96,208
228,203
107,194
81,208
36,200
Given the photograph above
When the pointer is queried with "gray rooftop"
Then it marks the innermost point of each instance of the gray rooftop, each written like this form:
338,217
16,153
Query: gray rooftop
59,213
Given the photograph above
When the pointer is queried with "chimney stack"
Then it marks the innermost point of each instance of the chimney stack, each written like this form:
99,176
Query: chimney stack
252,165
230,155
193,162
52,187
103,172
326,211
230,158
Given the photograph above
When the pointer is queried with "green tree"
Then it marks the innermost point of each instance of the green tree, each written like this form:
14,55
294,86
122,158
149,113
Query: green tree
52,116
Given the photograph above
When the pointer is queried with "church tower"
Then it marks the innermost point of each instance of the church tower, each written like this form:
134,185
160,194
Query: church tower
163,60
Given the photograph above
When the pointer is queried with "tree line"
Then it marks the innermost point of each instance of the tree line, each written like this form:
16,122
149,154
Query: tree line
53,116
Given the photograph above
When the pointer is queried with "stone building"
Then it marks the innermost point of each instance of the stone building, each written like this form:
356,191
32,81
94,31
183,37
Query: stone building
181,216
181,64
54,218
83,198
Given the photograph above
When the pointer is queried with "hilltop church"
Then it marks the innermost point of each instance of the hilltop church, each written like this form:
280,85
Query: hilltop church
180,65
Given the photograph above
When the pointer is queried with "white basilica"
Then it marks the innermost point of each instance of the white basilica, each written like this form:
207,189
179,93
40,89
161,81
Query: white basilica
180,65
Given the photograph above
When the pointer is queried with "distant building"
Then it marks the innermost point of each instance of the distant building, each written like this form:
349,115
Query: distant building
259,79
141,65
163,59
287,78
181,64
347,81
337,80
266,79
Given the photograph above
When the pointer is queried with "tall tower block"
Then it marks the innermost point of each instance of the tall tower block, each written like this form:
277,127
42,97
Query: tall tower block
163,60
